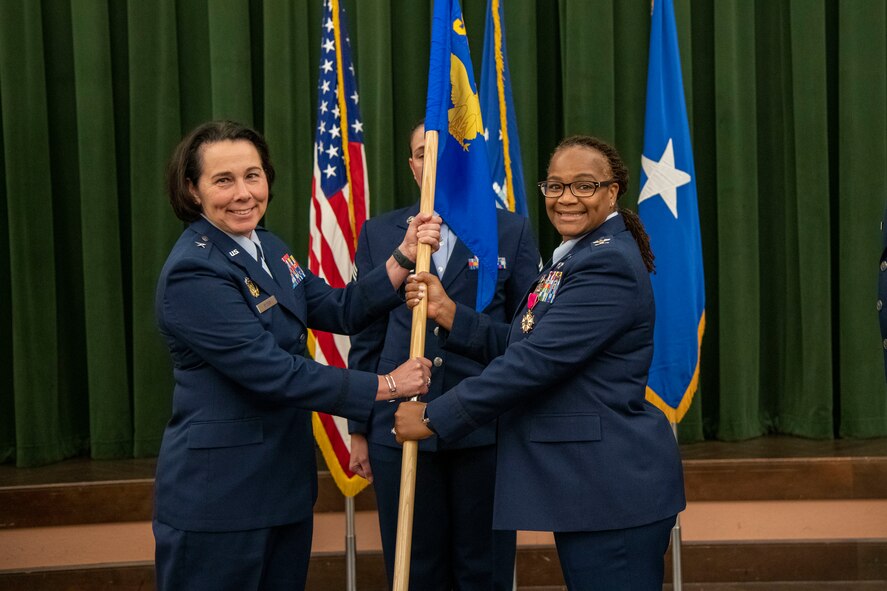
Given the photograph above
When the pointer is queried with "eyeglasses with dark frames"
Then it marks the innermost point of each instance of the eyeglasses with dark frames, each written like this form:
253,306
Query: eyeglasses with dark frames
554,189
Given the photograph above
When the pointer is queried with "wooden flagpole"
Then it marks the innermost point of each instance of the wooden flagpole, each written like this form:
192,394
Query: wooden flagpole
676,575
350,546
417,349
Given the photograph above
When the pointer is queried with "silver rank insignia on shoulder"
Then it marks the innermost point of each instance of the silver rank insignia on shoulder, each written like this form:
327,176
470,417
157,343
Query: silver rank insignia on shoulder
601,241
253,288
201,244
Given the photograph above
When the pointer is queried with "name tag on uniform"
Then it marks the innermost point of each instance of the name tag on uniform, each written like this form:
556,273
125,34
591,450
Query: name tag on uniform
264,305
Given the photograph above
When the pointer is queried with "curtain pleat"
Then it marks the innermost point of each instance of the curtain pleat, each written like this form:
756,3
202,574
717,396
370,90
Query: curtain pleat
393,87
806,407
288,119
105,335
40,434
523,45
787,102
739,242
588,64
229,52
155,124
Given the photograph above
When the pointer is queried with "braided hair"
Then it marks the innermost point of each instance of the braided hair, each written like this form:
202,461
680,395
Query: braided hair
620,175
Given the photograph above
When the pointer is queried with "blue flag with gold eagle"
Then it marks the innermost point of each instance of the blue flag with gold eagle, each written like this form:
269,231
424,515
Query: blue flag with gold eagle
668,206
463,194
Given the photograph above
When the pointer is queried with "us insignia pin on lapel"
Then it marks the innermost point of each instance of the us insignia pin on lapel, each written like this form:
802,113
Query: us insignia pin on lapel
253,288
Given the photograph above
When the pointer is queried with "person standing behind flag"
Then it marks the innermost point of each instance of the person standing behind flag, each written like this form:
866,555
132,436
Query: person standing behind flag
236,475
580,451
454,546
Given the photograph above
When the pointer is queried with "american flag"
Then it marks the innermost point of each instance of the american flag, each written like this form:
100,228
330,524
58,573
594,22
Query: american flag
339,205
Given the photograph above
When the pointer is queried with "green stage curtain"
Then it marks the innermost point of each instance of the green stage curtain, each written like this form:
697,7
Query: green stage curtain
788,109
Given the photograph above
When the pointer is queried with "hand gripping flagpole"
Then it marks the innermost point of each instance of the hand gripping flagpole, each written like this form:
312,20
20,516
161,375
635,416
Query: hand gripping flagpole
417,349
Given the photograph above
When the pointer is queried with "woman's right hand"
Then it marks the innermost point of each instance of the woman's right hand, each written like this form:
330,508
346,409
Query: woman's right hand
411,378
359,462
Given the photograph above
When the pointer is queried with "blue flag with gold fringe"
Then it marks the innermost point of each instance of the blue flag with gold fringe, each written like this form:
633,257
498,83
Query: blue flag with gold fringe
497,106
668,207
463,192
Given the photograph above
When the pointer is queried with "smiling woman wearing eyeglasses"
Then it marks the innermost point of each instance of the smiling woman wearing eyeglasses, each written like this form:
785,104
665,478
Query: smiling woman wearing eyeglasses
581,452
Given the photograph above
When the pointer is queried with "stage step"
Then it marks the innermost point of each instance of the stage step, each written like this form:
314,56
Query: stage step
751,541
771,468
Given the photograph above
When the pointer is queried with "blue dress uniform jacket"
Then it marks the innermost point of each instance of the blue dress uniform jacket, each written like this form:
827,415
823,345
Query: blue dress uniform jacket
386,343
238,452
579,449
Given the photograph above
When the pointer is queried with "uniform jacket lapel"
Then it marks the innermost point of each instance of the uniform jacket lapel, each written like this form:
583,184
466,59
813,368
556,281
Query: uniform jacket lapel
404,223
457,264
610,227
250,266
274,256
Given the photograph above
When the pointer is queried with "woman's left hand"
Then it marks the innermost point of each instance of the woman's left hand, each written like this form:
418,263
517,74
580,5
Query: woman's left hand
408,423
423,229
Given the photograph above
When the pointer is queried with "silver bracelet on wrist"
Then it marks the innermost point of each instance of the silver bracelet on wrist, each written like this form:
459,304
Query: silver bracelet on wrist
392,385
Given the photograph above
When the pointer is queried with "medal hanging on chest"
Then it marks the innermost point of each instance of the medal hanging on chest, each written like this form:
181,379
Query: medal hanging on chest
544,292
527,322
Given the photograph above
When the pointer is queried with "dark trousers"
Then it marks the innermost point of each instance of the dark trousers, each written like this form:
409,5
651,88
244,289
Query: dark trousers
629,559
453,544
260,559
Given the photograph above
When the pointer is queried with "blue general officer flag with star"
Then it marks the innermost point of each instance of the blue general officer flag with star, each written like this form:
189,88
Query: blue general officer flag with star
503,146
667,204
464,194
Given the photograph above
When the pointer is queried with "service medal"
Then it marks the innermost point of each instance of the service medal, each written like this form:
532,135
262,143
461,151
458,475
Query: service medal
527,322
253,288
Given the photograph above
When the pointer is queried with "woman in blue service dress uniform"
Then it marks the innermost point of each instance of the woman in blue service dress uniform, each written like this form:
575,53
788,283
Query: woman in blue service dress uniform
236,477
581,452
